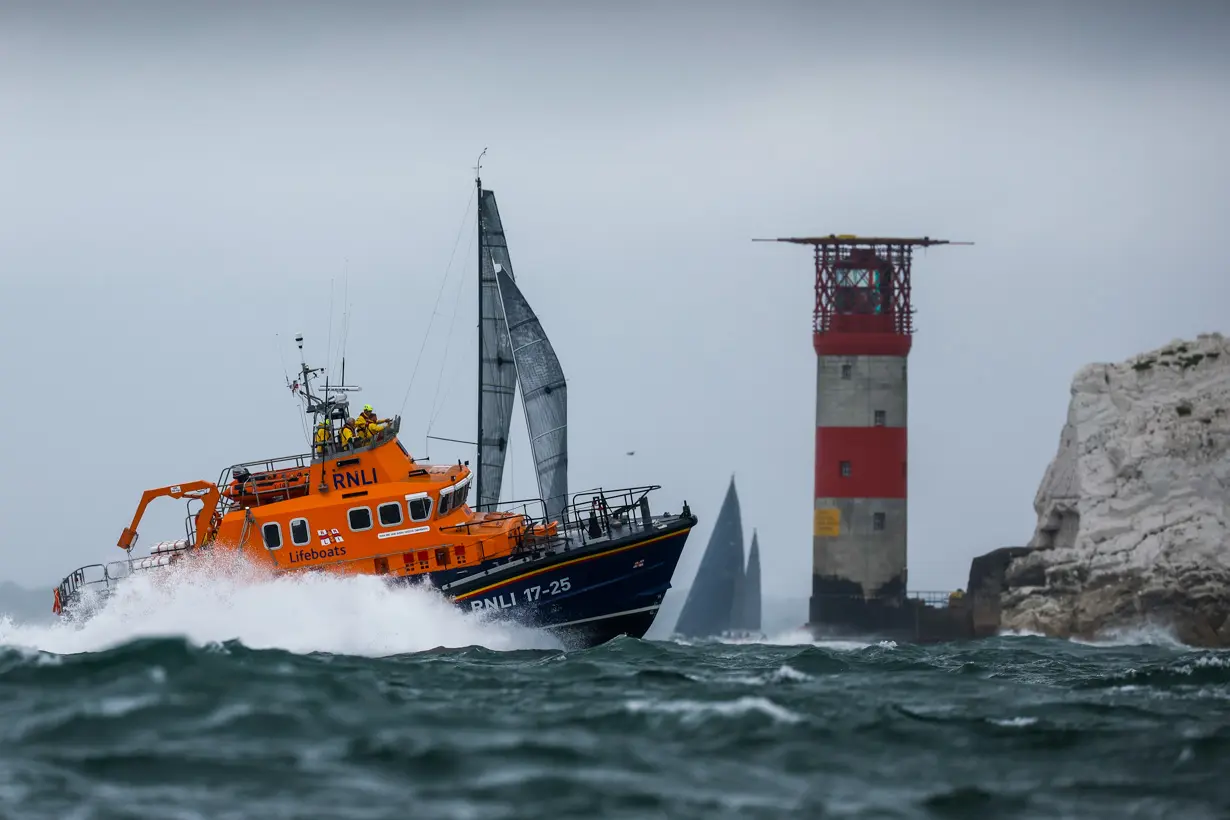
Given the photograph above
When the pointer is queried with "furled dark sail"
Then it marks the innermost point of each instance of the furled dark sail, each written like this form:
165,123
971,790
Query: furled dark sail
544,395
497,374
709,607
751,589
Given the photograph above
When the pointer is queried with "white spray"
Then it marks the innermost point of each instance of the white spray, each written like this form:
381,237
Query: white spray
228,599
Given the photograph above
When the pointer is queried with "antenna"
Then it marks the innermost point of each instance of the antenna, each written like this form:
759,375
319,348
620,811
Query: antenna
294,388
345,316
304,371
329,340
478,167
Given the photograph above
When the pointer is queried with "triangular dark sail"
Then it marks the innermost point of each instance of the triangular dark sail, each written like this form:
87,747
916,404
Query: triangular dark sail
709,607
544,395
737,602
751,589
497,375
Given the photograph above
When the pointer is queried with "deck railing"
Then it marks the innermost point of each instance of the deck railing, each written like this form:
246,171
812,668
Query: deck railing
592,515
600,514
94,576
248,479
267,481
334,446
104,577
932,598
935,598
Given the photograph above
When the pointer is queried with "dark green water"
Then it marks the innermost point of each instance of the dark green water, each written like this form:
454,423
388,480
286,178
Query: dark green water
1014,727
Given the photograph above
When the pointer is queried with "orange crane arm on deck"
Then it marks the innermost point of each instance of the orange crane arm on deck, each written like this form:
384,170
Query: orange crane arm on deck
207,491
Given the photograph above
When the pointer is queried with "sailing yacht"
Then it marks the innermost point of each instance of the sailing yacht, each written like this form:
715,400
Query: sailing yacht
724,601
587,566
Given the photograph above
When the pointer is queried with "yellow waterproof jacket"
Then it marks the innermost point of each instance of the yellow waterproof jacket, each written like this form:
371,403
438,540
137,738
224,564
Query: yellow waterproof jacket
373,425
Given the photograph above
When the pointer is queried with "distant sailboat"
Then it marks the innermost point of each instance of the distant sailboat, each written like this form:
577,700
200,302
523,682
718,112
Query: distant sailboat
724,598
748,608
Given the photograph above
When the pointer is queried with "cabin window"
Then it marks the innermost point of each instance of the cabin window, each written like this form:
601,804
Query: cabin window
419,506
845,469
360,519
847,370
877,522
446,502
453,497
389,514
300,535
881,418
272,533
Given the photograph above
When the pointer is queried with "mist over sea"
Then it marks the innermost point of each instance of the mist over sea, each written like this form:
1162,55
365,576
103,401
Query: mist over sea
331,697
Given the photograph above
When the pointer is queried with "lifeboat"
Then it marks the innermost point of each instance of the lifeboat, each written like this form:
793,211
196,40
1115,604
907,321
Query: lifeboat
586,566
374,510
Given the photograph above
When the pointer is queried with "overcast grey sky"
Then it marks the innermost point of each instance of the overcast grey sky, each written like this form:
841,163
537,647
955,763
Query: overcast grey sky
180,183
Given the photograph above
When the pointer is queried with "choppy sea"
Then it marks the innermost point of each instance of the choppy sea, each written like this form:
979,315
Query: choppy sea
339,698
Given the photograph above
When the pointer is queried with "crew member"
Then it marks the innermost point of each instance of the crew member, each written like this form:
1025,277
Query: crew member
347,434
323,436
369,421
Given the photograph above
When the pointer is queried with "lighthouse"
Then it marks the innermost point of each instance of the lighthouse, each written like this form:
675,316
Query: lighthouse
863,327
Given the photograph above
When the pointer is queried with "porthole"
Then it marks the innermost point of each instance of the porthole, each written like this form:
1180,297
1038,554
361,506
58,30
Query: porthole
389,514
360,518
272,534
300,535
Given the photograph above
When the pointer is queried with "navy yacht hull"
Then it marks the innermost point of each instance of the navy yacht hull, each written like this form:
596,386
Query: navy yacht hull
586,594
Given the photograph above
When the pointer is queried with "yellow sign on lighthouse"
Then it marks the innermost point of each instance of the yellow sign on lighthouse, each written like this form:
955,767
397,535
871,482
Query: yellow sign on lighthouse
827,522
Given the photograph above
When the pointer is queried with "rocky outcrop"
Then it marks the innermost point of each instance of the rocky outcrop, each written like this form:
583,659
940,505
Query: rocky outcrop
986,587
1134,512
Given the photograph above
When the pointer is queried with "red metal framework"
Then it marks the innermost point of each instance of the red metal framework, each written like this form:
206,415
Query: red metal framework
863,283
862,288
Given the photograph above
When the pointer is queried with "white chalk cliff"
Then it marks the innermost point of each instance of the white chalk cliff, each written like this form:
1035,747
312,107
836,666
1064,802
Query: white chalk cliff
1134,511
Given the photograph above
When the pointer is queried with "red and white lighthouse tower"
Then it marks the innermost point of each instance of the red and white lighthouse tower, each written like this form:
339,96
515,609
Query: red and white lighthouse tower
863,329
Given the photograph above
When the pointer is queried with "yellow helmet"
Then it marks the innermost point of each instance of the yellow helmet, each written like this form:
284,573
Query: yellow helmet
367,408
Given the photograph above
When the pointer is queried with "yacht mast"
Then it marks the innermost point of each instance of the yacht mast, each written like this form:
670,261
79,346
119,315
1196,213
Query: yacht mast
478,210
